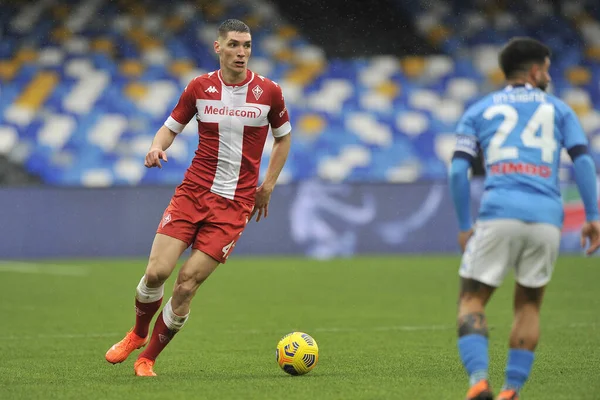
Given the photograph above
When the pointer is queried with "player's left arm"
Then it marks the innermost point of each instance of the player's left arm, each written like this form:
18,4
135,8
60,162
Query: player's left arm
584,170
281,128
460,189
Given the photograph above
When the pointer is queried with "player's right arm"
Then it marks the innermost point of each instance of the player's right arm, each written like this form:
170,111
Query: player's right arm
162,141
464,153
179,118
576,144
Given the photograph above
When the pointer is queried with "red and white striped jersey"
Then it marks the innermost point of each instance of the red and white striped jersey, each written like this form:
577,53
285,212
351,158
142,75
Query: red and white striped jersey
233,123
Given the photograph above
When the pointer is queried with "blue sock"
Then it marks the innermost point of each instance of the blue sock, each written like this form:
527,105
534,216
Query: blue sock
473,350
518,368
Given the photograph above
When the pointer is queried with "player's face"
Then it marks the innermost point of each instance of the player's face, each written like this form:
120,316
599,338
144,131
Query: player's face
234,51
542,75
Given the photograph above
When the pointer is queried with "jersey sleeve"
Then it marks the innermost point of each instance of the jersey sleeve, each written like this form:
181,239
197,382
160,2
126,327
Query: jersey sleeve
467,145
184,111
573,134
460,190
576,143
278,115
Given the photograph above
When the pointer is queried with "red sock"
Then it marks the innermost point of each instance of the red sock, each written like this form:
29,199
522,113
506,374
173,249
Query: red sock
143,316
161,336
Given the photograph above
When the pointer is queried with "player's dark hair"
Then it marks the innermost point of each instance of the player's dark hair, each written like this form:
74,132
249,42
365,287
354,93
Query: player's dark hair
519,53
232,25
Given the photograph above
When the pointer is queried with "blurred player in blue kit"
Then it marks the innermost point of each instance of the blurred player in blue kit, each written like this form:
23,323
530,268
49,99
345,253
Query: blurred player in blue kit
521,131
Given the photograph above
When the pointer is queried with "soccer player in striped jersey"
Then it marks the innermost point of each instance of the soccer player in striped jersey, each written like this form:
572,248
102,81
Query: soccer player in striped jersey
234,109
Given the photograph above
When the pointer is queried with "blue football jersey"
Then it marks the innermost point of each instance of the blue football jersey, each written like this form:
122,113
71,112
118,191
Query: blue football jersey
521,131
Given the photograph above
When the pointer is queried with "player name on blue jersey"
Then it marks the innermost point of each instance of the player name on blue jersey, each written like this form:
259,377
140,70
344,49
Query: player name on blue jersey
521,131
522,97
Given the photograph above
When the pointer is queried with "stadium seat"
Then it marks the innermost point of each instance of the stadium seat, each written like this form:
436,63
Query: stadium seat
81,98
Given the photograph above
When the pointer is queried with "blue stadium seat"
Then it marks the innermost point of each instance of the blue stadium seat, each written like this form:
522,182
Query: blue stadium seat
373,119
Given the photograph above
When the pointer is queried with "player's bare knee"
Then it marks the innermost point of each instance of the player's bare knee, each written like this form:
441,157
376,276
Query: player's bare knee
191,278
187,284
157,272
465,298
474,291
528,296
185,291
473,323
155,277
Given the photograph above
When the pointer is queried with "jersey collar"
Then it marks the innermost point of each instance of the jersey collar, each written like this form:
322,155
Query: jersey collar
518,85
249,77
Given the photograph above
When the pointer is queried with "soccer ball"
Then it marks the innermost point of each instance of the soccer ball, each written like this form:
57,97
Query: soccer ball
297,353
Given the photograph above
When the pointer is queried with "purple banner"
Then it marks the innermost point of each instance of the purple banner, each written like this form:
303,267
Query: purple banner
312,218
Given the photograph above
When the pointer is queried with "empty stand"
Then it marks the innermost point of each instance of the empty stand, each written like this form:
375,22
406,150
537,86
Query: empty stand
84,85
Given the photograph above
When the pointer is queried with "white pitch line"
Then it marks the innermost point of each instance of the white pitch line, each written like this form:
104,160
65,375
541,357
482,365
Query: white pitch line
17,307
407,328
403,328
61,336
41,268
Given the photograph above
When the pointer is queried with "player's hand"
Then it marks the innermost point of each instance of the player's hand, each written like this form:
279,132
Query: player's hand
261,205
463,238
590,236
153,158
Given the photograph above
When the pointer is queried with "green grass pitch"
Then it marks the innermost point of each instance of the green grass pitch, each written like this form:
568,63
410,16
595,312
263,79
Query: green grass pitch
385,327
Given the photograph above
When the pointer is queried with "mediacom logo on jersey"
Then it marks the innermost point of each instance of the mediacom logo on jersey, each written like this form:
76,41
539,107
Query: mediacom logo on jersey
244,111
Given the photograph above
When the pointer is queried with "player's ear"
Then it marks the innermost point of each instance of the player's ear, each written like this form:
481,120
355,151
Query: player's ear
217,46
534,71
539,68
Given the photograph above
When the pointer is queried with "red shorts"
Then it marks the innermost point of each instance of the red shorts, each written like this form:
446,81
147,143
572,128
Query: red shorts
204,220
